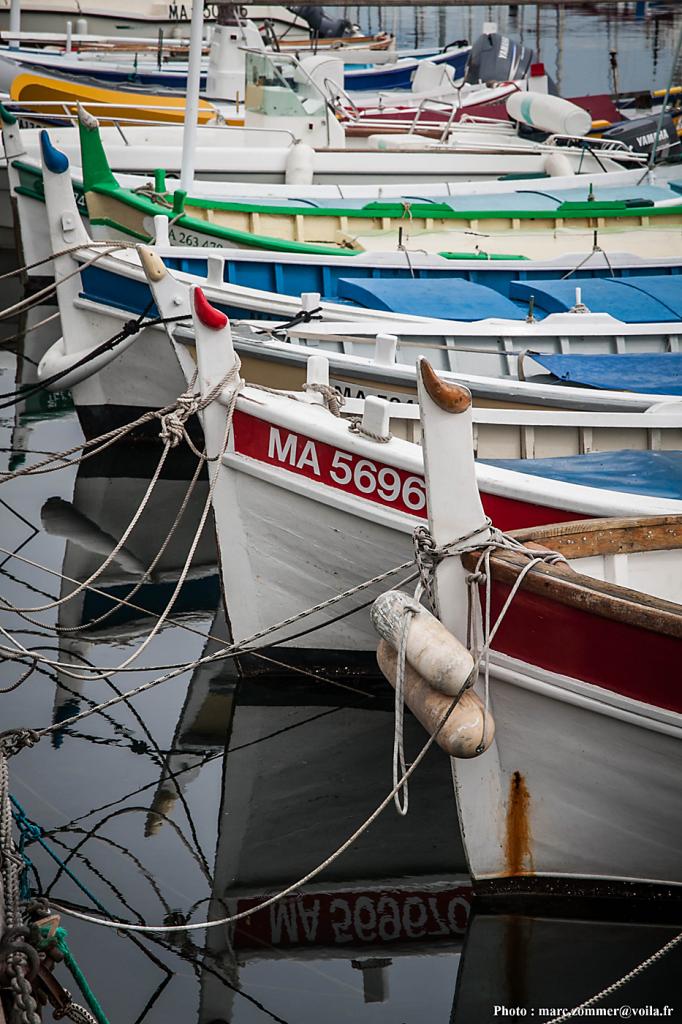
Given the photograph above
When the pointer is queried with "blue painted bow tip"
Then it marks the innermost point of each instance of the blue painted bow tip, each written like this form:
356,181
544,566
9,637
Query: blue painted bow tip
6,116
55,160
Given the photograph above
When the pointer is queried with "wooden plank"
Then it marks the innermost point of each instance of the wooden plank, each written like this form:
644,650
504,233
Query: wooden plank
597,597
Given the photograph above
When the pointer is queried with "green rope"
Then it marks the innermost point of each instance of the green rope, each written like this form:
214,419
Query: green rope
60,938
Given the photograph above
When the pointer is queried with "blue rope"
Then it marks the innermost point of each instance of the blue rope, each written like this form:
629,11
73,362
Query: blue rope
31,832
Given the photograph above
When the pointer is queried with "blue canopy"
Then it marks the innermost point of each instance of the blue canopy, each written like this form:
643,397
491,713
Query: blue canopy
657,474
451,299
659,287
657,373
634,300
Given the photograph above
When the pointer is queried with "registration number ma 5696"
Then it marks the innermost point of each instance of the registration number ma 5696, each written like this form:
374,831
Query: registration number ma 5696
370,479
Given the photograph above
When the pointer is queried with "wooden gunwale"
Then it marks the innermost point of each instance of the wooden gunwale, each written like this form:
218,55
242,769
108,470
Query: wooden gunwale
583,538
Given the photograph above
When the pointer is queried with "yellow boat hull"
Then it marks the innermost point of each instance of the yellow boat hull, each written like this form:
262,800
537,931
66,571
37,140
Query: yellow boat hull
45,96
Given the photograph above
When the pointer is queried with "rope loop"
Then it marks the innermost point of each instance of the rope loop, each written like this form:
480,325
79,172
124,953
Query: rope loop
333,398
304,316
401,794
356,427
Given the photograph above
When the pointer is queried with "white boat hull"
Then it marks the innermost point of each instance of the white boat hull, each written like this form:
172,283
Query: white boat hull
581,783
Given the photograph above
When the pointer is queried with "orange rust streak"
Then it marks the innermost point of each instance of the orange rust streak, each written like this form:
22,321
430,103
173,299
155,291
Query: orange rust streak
518,842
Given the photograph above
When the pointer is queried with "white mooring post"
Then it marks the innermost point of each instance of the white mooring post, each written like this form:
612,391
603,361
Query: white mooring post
189,135
454,504
15,23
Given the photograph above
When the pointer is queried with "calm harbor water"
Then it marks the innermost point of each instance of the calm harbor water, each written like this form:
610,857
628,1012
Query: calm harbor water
206,794
574,43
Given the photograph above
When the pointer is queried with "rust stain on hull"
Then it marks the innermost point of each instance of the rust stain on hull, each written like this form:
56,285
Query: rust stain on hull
518,839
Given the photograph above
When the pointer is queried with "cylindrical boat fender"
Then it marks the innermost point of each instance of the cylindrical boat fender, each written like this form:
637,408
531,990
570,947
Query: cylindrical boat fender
56,360
557,165
439,658
462,733
549,113
299,165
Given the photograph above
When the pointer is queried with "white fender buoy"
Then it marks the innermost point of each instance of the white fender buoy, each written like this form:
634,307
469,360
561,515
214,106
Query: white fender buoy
549,113
557,165
438,657
299,164
462,733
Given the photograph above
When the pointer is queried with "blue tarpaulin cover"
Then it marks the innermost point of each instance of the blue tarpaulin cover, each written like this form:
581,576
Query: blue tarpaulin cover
453,299
656,373
658,474
634,300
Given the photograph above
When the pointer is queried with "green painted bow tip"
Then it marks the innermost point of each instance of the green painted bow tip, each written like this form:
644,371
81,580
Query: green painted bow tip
6,115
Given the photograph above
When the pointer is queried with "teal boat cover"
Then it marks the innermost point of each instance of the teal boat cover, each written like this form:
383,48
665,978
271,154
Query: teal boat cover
657,474
656,373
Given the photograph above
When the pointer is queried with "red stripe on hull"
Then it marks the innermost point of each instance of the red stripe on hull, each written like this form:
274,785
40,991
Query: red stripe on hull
628,660
314,460
512,514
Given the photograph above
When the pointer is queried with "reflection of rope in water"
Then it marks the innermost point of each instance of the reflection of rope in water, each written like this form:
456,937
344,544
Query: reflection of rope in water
172,776
92,833
154,748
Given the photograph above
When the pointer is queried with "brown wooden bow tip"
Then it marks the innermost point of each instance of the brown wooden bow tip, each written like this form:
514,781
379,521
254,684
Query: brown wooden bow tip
449,397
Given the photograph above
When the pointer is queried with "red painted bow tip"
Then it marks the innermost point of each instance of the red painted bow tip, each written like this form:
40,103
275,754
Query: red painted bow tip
208,315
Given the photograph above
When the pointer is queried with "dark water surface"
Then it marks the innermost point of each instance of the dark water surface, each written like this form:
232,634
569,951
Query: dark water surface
379,937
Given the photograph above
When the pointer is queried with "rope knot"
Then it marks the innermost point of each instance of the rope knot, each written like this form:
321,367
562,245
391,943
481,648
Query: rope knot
129,328
173,429
14,740
428,555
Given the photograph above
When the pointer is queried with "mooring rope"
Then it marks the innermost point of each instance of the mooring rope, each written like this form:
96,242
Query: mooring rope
639,969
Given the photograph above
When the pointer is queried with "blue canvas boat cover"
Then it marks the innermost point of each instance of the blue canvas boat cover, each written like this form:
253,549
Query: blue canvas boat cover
657,474
634,300
656,373
454,299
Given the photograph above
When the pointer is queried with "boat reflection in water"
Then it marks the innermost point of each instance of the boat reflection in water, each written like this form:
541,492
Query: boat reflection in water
306,763
124,601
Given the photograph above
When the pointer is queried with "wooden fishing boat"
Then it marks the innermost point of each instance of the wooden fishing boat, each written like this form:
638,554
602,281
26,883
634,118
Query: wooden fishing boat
582,686
289,102
26,187
542,226
109,64
307,506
